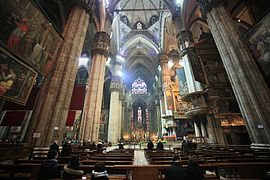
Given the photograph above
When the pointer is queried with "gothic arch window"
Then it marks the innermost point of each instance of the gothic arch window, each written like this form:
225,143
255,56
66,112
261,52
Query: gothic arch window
139,25
82,76
153,19
139,86
125,20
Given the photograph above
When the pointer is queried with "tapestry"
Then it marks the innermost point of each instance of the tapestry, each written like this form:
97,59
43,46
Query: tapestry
26,31
16,79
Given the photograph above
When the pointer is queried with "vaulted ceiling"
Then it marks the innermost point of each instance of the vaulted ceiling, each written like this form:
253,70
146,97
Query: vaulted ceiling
138,25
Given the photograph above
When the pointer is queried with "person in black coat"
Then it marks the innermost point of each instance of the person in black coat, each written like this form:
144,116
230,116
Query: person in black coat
72,169
150,145
99,147
120,145
194,171
99,172
93,146
55,146
176,171
50,168
66,149
160,146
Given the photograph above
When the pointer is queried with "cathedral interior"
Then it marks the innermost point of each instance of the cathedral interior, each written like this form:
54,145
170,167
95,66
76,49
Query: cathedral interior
135,70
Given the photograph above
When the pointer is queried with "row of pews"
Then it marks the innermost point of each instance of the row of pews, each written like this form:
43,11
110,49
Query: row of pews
220,161
216,161
29,166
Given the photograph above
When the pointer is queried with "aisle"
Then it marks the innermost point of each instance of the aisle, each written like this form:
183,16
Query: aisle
139,157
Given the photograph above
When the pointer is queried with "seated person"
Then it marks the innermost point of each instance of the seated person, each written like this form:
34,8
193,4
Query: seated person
176,171
150,145
160,146
93,146
87,146
99,172
72,169
99,147
55,146
66,149
121,145
50,168
194,171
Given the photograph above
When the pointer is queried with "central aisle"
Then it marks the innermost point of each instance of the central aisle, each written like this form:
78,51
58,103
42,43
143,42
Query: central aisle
139,157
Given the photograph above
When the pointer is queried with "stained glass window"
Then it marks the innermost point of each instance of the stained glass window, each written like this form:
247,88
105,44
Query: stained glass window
140,115
139,25
139,86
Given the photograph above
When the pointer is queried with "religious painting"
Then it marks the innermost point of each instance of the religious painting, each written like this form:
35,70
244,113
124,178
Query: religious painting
169,100
16,79
183,88
26,31
258,39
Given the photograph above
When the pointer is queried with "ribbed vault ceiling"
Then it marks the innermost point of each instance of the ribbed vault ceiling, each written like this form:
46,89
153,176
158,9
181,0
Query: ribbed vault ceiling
140,47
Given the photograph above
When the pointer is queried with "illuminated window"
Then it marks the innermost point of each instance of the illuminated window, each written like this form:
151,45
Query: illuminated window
139,25
139,115
139,86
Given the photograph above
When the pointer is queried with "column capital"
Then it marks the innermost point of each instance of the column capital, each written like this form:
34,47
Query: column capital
175,56
101,44
163,58
87,5
116,85
207,5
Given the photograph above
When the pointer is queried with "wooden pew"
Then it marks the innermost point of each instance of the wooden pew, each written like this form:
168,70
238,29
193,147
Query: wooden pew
16,152
61,160
116,154
107,162
16,171
124,158
248,169
150,172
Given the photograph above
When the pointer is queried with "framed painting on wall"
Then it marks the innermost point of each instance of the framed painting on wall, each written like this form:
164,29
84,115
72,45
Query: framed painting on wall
258,38
28,33
16,79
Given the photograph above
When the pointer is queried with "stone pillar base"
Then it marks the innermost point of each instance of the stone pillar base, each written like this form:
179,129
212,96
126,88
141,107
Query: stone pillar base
260,146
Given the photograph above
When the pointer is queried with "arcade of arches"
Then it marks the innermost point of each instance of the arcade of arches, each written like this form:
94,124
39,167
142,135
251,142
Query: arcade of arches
135,70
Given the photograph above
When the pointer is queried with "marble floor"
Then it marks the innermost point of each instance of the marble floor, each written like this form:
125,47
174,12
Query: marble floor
139,157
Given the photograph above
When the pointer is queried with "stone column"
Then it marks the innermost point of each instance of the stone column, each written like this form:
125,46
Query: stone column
197,131
52,107
114,131
121,119
158,117
93,99
204,132
251,91
166,80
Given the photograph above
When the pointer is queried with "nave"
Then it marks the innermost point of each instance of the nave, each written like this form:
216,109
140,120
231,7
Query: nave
132,71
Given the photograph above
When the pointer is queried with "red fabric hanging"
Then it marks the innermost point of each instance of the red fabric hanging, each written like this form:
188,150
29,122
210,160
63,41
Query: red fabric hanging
70,118
13,118
77,98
